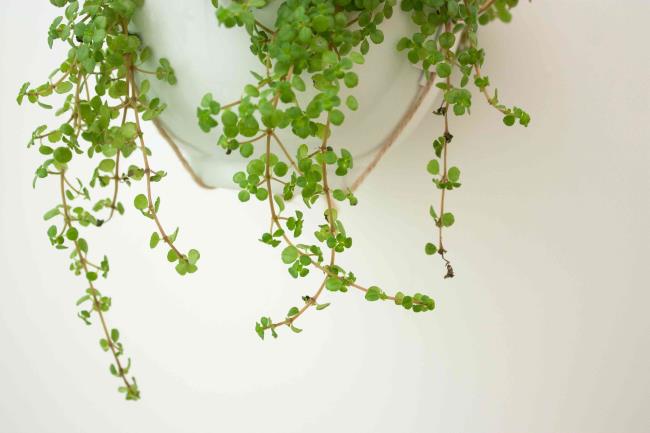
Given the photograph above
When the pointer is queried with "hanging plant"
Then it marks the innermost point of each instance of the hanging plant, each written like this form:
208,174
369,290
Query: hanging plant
307,57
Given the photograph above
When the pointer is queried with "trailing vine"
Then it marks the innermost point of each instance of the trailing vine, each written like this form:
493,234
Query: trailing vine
319,42
315,45
103,110
432,50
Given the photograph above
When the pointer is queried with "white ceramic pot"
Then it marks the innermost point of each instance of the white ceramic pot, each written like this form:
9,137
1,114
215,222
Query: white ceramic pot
210,58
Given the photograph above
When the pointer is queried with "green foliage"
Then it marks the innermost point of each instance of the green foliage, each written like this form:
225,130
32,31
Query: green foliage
446,45
430,249
141,202
374,293
100,111
320,42
314,49
315,46
290,254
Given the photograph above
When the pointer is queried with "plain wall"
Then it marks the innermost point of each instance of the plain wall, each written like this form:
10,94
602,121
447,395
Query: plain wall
544,329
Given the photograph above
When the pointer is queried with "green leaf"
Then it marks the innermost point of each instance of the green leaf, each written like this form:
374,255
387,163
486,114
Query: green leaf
246,149
337,117
140,202
51,214
67,129
206,100
280,169
404,43
229,119
251,90
244,196
206,121
297,82
377,36
63,87
453,174
259,330
193,256
339,194
72,234
154,240
351,79
248,126
280,201
334,284
321,23
430,249
373,293
262,194
290,254
62,155
509,120
107,165
447,219
305,35
357,58
352,103
329,58
255,167
330,157
145,55
22,93
173,236
433,167
129,130
443,70
322,306
452,8
447,40
83,299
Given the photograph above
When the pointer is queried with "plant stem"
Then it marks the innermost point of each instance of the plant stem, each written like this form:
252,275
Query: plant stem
96,304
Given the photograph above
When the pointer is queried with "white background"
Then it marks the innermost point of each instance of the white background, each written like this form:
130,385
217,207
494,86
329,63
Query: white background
545,328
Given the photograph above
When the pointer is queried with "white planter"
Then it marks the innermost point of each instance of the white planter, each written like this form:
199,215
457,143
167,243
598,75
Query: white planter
211,58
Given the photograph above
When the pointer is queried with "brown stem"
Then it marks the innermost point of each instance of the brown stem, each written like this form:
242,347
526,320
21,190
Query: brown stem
144,71
96,304
60,80
275,219
326,188
117,166
263,27
486,6
145,159
490,100
70,185
443,179
238,101
312,301
232,104
284,150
